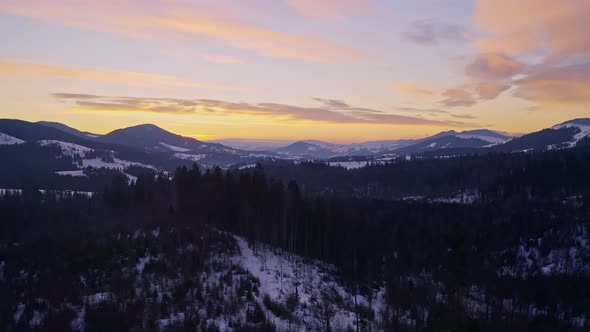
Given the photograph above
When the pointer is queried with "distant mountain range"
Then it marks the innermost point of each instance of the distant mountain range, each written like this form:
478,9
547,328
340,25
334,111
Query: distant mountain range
444,140
150,147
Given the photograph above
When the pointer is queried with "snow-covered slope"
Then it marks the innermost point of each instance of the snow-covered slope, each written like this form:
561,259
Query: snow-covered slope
282,275
68,149
9,140
174,148
583,125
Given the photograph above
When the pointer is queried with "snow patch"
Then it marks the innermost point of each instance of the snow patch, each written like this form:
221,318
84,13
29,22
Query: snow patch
72,173
193,157
348,164
68,149
584,132
490,139
174,148
9,140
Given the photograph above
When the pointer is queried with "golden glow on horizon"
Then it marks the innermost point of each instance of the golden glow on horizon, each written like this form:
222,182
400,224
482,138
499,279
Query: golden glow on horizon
266,70
19,68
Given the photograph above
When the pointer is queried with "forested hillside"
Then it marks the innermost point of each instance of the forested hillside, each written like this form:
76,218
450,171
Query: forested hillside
160,253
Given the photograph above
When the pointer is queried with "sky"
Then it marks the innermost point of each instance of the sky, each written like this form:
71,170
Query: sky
335,70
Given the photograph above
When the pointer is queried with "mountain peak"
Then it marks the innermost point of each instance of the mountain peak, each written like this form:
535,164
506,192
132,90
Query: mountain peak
144,127
578,122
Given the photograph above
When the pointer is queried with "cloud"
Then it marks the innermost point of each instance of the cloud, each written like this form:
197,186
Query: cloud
333,112
490,90
461,96
490,74
435,112
410,89
556,29
493,66
430,33
332,103
186,22
17,68
331,9
470,94
568,84
223,59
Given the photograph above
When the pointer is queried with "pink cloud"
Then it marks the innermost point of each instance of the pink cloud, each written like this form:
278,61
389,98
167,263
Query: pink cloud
558,28
170,20
331,9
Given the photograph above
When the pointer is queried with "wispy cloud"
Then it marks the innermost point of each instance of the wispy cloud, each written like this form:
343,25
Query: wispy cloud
185,22
410,89
18,68
554,33
217,58
431,32
329,111
557,29
460,96
332,9
569,84
494,66
435,112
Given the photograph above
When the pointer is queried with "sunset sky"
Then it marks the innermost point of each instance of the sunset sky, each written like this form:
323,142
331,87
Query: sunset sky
342,71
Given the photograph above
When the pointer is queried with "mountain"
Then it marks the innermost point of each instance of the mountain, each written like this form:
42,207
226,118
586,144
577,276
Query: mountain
563,135
315,149
149,137
307,150
442,143
153,139
251,144
31,132
480,138
68,129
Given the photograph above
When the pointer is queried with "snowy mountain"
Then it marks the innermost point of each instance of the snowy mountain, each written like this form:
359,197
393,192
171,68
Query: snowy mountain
315,149
307,149
9,140
252,144
563,135
152,139
455,140
68,129
60,156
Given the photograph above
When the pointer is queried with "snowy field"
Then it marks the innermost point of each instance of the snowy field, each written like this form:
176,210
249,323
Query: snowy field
281,275
9,140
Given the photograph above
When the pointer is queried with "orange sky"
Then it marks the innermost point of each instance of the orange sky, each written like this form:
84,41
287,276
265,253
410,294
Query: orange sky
342,71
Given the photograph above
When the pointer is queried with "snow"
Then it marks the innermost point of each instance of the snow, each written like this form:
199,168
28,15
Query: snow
96,298
63,193
58,193
5,192
247,166
72,173
143,261
193,157
9,140
584,131
490,139
92,135
37,318
348,164
19,312
282,274
117,164
431,145
68,149
174,148
173,318
78,323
